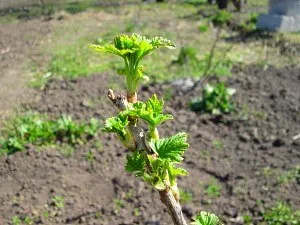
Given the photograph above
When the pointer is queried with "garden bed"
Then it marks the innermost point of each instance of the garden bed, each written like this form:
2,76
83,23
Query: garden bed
238,163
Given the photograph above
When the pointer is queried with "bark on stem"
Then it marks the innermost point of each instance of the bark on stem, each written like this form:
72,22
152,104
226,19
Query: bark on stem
173,207
166,196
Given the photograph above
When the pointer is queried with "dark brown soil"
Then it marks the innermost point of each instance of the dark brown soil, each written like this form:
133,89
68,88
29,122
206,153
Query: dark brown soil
245,153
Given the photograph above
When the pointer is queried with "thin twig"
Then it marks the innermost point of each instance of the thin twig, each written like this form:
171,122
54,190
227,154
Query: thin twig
210,59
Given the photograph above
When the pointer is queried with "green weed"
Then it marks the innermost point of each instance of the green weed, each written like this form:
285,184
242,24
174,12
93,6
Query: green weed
292,175
281,214
90,157
39,130
16,220
249,25
247,219
217,144
221,18
185,196
213,190
215,99
119,203
58,201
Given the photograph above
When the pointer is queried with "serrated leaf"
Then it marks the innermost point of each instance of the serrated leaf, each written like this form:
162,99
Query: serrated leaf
162,42
150,111
116,125
133,49
170,148
205,218
135,164
163,173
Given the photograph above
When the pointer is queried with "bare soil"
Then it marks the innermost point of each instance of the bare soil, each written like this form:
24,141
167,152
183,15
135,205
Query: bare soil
244,153
18,48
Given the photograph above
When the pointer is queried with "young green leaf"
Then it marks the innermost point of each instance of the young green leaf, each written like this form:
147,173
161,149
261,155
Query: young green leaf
116,125
150,111
135,164
170,148
132,49
205,218
163,174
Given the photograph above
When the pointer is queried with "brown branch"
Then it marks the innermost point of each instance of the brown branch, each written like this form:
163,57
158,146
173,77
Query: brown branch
174,209
139,136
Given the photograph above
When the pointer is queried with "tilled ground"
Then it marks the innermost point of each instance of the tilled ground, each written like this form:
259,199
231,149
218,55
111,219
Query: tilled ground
244,153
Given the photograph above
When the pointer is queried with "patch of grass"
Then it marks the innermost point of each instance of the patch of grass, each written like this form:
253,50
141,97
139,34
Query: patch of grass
136,212
27,220
281,214
217,144
185,196
249,25
66,150
77,7
247,219
39,130
221,18
90,156
19,221
256,3
73,61
8,18
203,28
46,215
16,221
260,114
213,190
119,203
195,2
58,201
292,175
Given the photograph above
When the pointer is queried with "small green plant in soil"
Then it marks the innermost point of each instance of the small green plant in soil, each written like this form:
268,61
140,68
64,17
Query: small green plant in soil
206,218
249,25
19,221
281,214
247,219
16,220
58,201
185,196
213,190
151,158
217,144
221,18
216,99
290,176
119,203
39,130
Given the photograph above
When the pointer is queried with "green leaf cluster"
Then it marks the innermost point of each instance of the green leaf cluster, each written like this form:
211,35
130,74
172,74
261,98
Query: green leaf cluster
221,18
37,129
215,100
133,49
163,173
171,148
205,218
150,111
